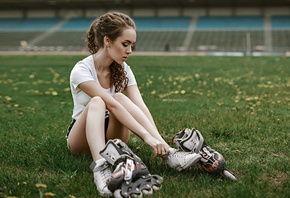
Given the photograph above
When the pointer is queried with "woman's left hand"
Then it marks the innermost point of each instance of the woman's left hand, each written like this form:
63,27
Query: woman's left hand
159,147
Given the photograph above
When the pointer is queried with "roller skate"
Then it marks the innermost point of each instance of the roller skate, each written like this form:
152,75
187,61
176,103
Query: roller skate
181,160
191,140
102,172
130,177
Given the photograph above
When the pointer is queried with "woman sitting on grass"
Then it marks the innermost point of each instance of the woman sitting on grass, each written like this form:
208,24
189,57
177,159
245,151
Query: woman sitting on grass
101,112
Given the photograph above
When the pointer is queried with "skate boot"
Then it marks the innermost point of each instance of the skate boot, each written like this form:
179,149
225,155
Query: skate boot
102,172
188,140
211,160
181,160
130,177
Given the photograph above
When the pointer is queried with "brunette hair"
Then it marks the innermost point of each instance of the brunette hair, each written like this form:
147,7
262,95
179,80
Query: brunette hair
111,25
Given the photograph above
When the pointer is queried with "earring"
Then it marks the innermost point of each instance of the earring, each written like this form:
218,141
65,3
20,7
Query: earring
107,44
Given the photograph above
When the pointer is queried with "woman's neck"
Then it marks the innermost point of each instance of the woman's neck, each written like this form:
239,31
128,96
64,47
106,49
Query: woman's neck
102,61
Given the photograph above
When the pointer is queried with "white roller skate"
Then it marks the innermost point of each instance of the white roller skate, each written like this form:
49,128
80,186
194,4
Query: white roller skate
181,160
130,177
102,172
191,140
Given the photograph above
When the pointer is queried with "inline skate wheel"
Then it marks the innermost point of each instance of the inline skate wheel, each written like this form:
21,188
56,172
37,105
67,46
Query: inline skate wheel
229,175
137,195
118,194
154,187
147,192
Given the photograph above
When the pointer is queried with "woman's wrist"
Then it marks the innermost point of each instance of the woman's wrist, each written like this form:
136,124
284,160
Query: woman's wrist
148,139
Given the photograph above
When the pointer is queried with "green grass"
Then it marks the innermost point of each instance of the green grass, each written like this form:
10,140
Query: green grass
241,106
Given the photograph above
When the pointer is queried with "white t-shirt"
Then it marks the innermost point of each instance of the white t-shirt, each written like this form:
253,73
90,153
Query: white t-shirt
84,71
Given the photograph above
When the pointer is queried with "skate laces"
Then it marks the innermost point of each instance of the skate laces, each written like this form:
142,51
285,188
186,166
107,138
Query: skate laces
181,160
179,155
104,171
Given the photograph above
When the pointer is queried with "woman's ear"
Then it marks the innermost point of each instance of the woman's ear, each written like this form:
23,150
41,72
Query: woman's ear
106,40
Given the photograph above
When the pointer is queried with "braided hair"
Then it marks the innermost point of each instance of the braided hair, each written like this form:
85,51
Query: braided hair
111,25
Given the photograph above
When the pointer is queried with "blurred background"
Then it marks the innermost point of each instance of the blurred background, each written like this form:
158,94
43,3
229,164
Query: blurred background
209,27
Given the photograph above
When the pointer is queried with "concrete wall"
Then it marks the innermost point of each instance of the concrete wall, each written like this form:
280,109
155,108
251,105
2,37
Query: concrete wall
11,14
143,12
277,11
248,11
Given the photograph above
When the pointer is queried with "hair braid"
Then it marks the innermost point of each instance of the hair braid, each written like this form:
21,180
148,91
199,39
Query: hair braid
112,25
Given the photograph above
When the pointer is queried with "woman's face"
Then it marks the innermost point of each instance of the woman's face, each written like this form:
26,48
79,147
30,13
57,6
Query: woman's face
121,48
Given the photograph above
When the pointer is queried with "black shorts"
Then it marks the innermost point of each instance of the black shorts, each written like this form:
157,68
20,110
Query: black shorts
74,121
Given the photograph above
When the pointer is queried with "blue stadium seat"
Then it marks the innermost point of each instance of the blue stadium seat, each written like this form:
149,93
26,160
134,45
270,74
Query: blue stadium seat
153,32
78,24
280,21
179,23
9,23
37,23
229,22
162,22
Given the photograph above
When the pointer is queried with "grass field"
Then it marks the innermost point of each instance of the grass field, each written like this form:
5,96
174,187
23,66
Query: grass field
241,106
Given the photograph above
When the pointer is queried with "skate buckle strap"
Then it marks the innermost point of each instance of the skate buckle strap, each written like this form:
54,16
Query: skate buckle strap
205,154
111,152
189,140
129,169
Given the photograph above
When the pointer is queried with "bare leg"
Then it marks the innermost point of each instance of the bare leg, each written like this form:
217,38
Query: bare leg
87,134
117,130
138,114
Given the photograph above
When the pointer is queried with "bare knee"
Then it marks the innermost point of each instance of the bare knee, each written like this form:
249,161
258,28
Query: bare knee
97,102
120,97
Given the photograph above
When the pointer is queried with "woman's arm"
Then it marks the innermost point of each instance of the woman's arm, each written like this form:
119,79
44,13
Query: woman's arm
93,89
134,95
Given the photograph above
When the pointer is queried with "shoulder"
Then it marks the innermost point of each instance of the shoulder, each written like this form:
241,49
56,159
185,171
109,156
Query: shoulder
127,68
87,62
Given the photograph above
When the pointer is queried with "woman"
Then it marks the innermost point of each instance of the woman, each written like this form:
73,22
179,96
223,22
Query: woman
101,112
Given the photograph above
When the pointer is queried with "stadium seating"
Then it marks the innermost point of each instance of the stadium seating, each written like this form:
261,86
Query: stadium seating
64,38
145,23
11,40
225,40
281,40
156,40
229,22
211,33
280,21
9,23
77,24
28,24
141,23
